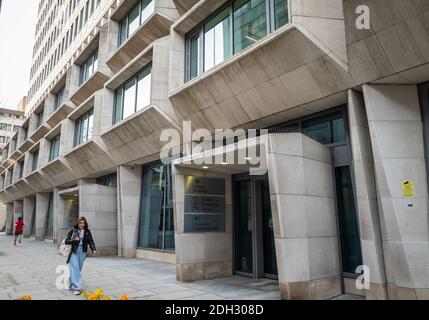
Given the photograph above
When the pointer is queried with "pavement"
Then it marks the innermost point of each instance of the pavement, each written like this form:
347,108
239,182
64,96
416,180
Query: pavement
30,269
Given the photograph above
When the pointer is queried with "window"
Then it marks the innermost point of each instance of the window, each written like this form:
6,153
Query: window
217,46
20,169
83,128
39,118
135,18
134,95
239,24
110,180
35,161
16,128
3,126
54,151
250,23
89,67
156,229
351,253
59,98
327,130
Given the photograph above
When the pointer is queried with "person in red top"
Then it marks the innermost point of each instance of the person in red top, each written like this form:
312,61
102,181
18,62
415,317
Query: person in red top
19,229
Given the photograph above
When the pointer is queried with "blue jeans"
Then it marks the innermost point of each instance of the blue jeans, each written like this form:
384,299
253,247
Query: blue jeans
76,264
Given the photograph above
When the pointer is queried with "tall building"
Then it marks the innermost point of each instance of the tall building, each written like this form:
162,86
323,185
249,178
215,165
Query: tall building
342,123
22,105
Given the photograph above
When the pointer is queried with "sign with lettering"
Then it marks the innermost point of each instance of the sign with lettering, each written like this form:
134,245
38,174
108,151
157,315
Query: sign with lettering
205,204
408,189
204,186
204,223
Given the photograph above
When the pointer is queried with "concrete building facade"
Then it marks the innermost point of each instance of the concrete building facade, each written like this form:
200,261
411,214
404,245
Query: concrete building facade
341,119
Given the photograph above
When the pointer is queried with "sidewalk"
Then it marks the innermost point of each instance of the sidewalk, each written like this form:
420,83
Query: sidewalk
29,269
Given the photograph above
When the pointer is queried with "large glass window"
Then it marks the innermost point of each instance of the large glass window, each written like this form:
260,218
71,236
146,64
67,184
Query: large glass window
83,128
327,130
134,19
54,151
35,161
59,98
39,118
156,230
49,227
217,41
89,67
134,95
250,23
239,24
349,228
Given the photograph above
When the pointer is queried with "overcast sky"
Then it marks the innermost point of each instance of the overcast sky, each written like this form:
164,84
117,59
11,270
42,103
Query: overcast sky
17,26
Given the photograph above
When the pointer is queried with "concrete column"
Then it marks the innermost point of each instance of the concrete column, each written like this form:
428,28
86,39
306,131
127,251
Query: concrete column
201,256
28,208
49,105
18,210
67,136
366,197
304,217
107,44
129,192
99,205
42,205
9,219
396,130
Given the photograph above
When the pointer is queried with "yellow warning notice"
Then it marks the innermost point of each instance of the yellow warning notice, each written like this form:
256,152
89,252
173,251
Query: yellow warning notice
408,189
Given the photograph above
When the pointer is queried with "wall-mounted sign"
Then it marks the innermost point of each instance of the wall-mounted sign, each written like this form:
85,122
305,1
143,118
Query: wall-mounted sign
204,186
205,205
408,189
204,223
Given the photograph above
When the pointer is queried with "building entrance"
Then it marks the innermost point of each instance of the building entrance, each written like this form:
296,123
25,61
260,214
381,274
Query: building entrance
254,249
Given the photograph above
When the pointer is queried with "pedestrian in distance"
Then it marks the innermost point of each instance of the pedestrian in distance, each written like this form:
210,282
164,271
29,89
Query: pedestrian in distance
79,237
19,229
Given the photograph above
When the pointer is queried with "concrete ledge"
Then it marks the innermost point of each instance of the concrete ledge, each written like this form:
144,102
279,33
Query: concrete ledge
184,5
94,83
155,27
26,145
131,68
203,271
40,132
60,114
88,158
319,289
164,257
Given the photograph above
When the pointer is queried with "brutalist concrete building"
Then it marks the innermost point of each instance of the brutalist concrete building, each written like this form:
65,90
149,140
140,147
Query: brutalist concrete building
338,93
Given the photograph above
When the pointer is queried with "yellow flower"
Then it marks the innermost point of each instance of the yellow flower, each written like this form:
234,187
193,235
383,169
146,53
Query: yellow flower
99,292
106,298
92,297
124,297
85,294
26,298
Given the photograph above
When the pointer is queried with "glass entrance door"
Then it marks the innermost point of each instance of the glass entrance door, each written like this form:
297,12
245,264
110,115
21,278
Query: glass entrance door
255,254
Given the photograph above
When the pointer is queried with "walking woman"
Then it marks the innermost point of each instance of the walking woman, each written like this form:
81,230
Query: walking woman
79,237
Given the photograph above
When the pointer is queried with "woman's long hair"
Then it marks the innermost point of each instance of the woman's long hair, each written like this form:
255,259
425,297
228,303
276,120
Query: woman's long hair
76,226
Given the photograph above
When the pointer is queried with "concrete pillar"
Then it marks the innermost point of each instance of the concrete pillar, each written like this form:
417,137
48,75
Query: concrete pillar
304,217
201,256
42,205
129,193
9,219
396,130
28,207
99,205
366,196
18,210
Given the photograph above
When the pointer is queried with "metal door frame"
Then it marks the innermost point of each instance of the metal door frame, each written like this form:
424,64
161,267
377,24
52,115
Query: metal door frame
257,229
